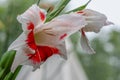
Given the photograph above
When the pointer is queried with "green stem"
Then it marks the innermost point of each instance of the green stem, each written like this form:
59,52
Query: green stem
38,2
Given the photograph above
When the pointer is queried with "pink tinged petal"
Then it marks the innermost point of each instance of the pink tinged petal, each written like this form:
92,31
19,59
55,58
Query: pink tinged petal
95,20
85,43
33,15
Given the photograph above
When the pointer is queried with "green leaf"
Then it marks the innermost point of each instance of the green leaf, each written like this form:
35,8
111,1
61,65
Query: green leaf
8,76
7,59
5,65
1,73
0,69
57,10
16,72
6,62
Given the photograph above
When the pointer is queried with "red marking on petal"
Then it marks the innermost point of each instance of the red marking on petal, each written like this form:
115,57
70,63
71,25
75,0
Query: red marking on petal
81,12
42,53
30,26
42,16
63,36
82,32
30,40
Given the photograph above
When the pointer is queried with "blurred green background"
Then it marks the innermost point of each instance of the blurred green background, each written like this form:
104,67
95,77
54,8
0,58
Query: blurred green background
104,65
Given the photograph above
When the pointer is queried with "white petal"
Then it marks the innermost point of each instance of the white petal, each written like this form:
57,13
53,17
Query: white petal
33,15
109,23
21,57
55,31
22,50
62,48
85,43
20,41
95,20
52,68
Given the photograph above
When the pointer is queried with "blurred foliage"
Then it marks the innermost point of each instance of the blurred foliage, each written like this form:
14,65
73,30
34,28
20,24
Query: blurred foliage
5,66
104,65
9,31
9,27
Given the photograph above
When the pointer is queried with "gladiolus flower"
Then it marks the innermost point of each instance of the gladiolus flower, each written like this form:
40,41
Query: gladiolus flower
41,40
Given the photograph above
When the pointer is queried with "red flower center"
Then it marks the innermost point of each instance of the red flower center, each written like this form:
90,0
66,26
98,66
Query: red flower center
41,52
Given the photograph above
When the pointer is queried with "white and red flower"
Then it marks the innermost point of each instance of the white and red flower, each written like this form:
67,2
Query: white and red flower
41,40
95,21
